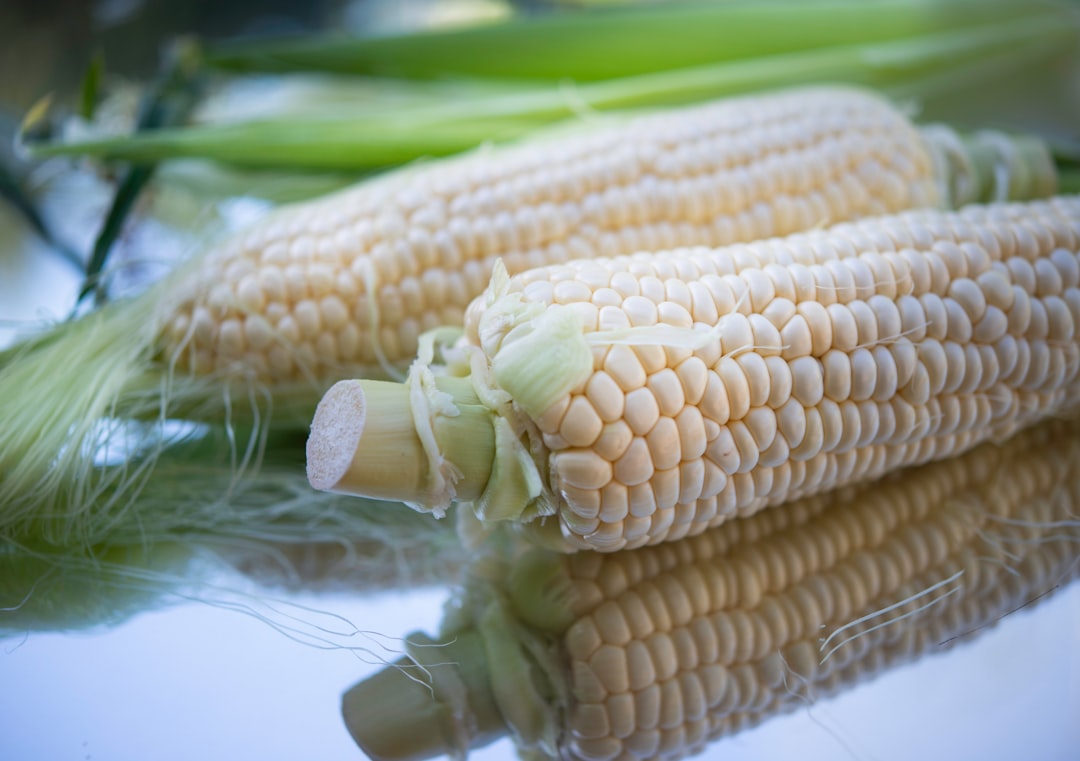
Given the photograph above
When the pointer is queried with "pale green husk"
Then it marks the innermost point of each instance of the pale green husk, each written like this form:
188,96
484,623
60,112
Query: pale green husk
43,590
939,61
635,38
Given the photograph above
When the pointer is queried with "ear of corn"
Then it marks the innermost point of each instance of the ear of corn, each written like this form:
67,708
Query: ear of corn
653,653
260,326
652,396
346,285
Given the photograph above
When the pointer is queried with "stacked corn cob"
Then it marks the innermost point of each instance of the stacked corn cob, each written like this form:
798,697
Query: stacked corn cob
652,653
646,398
344,286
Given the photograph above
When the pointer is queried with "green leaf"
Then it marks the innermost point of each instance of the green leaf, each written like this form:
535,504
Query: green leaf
605,43
443,127
90,92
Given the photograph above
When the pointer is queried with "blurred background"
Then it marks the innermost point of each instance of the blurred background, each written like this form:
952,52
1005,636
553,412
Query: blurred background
239,669
45,46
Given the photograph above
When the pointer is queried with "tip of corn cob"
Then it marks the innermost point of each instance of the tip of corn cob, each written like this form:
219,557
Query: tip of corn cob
363,440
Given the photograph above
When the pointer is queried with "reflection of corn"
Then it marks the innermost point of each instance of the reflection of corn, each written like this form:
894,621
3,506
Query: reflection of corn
651,653
46,590
322,288
427,557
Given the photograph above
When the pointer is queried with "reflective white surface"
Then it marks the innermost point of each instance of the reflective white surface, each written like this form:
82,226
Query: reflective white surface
194,681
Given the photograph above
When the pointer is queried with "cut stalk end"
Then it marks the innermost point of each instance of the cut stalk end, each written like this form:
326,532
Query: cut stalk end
354,445
437,702
365,441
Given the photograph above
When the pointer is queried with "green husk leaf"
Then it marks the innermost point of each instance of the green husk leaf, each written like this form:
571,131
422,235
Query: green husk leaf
200,180
541,361
127,194
614,42
324,143
456,125
1069,179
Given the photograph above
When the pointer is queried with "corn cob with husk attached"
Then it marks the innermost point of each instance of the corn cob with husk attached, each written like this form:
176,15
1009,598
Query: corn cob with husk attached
258,327
655,652
646,398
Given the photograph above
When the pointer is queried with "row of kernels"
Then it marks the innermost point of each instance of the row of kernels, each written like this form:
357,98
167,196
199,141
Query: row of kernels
654,560
863,376
741,135
747,285
716,499
943,317
822,469
936,627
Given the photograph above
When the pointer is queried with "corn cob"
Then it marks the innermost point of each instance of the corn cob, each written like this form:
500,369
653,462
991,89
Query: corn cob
344,286
655,652
649,397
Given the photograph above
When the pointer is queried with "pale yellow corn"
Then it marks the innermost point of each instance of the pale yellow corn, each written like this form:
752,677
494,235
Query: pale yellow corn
344,286
660,394
653,653
944,330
